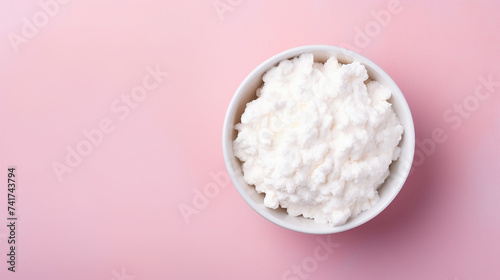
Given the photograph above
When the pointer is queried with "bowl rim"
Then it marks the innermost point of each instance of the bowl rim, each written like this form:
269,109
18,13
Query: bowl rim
409,135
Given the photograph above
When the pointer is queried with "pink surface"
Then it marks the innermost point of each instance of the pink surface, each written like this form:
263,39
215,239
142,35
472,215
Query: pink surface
115,214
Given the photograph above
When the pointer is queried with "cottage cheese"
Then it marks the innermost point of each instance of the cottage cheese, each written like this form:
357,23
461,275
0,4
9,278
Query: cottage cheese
319,139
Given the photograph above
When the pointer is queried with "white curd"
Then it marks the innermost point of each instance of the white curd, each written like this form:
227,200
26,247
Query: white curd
319,139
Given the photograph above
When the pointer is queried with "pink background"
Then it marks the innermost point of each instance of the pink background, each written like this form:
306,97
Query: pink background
116,215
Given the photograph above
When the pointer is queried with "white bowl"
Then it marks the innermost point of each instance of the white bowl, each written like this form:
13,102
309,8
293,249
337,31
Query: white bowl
247,92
